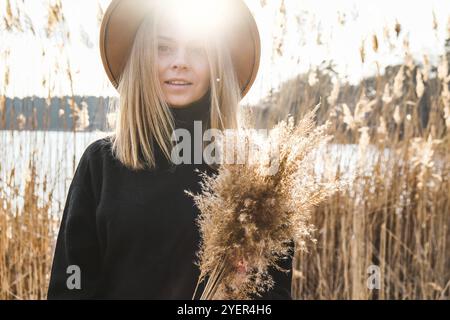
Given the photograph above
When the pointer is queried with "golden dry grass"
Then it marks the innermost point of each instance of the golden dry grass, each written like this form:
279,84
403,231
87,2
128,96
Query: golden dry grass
396,214
252,210
26,241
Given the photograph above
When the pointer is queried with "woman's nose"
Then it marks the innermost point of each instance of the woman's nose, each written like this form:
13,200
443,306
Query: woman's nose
180,60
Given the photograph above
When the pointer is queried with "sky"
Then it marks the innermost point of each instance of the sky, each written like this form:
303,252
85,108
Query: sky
340,42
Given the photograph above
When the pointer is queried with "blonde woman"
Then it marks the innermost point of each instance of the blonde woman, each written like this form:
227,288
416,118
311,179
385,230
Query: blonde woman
128,229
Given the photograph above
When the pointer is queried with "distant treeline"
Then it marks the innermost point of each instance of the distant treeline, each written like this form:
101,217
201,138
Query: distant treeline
79,113
402,95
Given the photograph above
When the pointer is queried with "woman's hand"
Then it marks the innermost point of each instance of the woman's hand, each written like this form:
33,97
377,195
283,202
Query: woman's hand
241,266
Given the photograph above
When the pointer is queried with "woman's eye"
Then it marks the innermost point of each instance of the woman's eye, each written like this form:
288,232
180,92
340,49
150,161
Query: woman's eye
164,48
198,51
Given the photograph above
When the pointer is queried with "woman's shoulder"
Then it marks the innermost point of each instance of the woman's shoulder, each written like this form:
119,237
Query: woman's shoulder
98,148
97,152
93,163
99,145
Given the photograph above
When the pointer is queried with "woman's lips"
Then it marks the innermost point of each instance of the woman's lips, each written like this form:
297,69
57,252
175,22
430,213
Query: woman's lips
177,87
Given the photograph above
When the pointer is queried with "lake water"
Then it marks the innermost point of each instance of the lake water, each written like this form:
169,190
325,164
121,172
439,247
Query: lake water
56,155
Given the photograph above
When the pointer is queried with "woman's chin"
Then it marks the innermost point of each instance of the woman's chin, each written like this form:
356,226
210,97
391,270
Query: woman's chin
179,103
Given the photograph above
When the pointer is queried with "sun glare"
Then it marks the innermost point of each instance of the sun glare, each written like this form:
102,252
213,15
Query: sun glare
202,18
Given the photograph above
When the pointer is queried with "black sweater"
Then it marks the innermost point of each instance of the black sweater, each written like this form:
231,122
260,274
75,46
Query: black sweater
133,233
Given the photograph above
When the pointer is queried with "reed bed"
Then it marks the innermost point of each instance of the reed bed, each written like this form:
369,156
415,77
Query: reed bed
27,235
395,219
384,237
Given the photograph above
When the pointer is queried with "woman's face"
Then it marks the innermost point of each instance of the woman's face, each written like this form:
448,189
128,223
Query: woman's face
182,65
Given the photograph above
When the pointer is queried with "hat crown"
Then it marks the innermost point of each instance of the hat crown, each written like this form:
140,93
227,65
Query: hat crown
123,18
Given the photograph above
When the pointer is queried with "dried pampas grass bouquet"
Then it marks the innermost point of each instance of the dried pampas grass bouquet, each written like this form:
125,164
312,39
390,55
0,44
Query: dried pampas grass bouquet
253,211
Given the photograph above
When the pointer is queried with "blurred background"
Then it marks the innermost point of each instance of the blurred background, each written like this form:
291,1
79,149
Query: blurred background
381,71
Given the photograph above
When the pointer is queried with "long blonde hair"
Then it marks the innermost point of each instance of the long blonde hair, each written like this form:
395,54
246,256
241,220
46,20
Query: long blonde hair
144,117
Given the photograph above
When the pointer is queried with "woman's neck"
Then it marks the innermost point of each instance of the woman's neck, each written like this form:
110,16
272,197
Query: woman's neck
195,111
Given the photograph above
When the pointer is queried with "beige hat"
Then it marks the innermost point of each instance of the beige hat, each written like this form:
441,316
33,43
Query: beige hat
123,17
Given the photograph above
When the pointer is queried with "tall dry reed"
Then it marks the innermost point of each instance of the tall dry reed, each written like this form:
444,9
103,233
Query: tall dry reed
252,211
393,220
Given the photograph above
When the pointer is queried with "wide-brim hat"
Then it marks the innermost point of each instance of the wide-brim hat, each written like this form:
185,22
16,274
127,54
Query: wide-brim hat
123,18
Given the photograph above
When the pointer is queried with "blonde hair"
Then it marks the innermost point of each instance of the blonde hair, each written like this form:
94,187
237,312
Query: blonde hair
144,118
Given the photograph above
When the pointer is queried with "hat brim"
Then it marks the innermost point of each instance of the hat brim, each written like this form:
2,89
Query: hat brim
123,17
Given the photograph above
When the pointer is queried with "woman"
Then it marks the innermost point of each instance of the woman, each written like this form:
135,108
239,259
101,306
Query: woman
128,229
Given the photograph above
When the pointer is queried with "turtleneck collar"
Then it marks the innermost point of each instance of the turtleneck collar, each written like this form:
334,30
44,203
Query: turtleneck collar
184,118
195,111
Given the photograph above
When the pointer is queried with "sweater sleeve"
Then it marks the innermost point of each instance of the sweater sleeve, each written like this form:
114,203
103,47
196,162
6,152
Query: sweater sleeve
76,260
